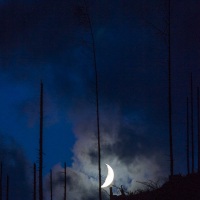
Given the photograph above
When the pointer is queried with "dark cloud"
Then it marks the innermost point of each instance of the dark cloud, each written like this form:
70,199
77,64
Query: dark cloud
38,26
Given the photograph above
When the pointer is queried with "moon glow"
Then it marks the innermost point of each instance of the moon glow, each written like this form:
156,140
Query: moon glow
109,178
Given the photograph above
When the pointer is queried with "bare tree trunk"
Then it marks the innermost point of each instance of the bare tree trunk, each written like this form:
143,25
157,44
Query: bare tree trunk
41,145
97,97
111,194
188,140
65,182
198,124
1,178
192,124
51,184
7,188
169,95
34,182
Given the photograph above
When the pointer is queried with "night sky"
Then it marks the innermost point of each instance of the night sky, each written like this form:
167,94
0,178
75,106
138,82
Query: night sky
50,41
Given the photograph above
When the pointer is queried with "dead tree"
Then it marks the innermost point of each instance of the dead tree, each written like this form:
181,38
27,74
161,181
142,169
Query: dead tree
1,178
198,125
34,182
169,92
192,122
65,182
188,139
111,193
41,145
167,33
51,185
88,19
168,36
7,188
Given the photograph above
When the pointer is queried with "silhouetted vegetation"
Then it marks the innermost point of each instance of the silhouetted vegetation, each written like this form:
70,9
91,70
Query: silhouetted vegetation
177,188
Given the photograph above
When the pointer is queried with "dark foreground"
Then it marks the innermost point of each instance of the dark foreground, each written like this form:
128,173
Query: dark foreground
177,188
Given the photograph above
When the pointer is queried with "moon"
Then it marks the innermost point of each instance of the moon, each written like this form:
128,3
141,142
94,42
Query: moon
109,178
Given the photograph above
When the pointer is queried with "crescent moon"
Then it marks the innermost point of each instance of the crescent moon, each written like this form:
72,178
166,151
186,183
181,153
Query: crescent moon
109,178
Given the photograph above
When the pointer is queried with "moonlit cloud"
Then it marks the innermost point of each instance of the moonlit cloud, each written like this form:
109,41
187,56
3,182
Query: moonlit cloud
83,175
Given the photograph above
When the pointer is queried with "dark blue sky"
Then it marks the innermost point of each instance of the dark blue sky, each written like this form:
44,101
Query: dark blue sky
50,41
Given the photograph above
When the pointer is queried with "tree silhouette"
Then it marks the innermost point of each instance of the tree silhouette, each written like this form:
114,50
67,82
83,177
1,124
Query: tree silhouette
188,139
41,145
51,185
192,122
89,22
169,92
1,177
34,182
198,124
167,33
7,188
65,182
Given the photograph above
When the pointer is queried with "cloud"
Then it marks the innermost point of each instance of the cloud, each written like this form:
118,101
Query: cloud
43,41
78,184
127,154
